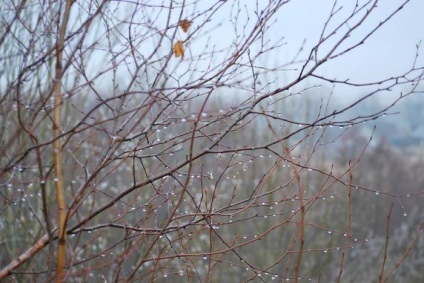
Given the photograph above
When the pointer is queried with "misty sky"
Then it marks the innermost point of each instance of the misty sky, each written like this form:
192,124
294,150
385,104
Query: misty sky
389,52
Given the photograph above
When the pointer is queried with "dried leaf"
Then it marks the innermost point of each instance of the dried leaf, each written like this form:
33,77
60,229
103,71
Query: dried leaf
185,24
178,49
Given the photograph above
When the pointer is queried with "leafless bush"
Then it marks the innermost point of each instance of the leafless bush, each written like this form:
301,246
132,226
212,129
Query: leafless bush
152,141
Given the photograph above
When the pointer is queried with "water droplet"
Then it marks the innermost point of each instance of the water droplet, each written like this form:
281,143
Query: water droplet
377,193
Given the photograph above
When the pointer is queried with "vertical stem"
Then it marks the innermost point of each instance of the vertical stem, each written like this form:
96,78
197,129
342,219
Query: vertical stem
349,224
301,223
380,278
300,226
57,147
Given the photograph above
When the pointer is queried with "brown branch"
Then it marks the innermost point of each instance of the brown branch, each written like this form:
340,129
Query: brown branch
349,223
386,244
28,254
57,147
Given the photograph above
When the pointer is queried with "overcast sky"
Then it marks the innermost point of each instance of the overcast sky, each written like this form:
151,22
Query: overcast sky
389,52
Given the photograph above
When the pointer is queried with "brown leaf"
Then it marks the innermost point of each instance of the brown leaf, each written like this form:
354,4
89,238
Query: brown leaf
178,49
185,24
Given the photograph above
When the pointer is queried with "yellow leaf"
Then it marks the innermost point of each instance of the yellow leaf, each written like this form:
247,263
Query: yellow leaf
178,49
185,24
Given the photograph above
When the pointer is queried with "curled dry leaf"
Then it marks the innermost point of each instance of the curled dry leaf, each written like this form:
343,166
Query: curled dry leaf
178,49
185,24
